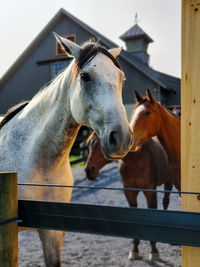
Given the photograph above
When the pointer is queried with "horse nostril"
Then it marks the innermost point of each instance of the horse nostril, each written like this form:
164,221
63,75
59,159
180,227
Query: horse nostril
91,173
92,168
113,138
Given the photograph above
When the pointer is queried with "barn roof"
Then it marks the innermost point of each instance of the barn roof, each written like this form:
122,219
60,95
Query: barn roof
133,61
135,32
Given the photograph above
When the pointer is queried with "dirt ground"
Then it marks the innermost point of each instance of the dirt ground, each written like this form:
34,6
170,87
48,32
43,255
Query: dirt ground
92,250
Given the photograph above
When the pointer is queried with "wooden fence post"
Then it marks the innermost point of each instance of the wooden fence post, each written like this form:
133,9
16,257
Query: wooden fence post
190,117
8,228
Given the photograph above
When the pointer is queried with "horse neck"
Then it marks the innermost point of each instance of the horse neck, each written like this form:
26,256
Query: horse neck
53,126
169,134
132,157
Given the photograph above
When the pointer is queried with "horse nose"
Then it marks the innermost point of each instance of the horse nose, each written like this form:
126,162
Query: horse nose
91,172
118,141
113,139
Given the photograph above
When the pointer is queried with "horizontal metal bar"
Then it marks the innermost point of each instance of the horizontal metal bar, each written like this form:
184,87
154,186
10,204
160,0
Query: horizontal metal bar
6,221
111,188
174,227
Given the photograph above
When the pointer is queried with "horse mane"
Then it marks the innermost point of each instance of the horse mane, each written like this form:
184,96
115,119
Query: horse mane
88,51
145,99
174,114
12,112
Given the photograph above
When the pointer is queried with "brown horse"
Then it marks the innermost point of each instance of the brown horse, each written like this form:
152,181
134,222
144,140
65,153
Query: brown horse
149,118
146,168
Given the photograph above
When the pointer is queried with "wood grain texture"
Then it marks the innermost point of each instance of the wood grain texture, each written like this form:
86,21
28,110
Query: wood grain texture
8,210
190,117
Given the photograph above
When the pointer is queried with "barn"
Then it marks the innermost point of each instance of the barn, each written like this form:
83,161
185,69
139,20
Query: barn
43,59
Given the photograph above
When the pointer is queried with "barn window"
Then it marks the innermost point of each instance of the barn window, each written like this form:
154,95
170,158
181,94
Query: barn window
59,49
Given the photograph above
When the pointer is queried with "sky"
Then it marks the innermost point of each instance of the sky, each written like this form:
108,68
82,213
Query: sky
22,20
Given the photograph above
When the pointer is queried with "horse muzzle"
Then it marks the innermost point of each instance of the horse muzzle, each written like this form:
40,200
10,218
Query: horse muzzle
91,173
117,143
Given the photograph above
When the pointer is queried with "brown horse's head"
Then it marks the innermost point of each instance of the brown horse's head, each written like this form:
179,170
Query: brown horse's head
96,159
145,119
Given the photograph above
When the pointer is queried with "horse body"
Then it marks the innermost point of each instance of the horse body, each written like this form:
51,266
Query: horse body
37,141
145,168
149,118
169,137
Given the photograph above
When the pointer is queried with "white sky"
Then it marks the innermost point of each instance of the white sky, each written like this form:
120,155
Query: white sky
22,20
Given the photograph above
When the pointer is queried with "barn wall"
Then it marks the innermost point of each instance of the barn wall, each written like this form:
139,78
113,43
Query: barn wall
136,81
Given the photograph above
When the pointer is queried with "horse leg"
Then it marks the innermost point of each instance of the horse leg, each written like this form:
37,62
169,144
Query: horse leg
167,186
52,246
132,200
134,253
152,204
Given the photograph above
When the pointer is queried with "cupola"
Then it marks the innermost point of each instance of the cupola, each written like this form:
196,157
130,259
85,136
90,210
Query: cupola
137,42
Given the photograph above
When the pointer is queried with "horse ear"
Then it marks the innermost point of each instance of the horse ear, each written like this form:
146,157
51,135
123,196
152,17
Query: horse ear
138,97
69,46
115,51
150,97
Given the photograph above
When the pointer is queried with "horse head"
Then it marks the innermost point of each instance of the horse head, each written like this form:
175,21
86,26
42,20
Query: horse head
96,95
96,159
145,119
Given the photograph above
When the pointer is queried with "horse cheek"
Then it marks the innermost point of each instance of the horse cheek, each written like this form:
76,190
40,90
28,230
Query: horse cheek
78,108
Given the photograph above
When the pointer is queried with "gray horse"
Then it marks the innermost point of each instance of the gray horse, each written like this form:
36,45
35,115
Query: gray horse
36,142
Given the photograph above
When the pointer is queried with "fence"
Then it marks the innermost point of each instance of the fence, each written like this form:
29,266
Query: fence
174,227
8,220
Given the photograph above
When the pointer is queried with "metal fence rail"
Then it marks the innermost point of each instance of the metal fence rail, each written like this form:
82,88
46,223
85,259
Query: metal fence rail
112,188
175,227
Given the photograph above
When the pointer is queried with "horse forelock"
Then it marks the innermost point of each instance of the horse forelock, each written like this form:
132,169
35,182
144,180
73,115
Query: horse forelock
88,51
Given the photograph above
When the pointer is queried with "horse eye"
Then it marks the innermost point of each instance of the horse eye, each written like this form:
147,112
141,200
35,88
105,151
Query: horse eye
85,77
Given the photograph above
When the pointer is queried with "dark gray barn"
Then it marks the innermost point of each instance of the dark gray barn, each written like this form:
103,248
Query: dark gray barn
43,59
